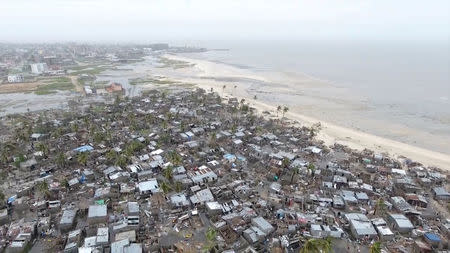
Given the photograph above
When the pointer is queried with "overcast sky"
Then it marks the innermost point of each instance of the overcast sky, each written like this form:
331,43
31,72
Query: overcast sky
187,20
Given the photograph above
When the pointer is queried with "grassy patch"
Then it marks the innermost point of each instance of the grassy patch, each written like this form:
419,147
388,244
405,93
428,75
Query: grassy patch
140,81
175,64
89,69
55,84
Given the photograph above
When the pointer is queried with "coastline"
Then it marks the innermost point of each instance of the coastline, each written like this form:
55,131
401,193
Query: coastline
331,133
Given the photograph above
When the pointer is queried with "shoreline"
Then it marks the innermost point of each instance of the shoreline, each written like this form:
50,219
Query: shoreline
330,133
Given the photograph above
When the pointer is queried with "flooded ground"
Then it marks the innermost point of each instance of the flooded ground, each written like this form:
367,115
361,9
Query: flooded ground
150,67
24,102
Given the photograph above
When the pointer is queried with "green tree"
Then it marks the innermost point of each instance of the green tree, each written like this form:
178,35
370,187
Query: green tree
111,156
211,238
99,136
43,187
168,173
233,128
178,186
43,148
312,169
19,159
315,129
9,147
317,246
278,110
61,160
164,125
75,127
65,183
375,247
121,160
213,140
285,110
4,157
380,207
82,158
285,162
2,196
182,126
295,171
165,187
175,158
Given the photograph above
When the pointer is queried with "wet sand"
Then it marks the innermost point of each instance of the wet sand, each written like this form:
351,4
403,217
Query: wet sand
245,84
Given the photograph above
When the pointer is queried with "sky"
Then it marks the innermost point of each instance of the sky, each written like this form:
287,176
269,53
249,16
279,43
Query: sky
187,20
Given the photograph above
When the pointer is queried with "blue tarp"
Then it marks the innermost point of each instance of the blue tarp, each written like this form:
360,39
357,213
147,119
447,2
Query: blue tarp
82,179
241,158
84,148
229,156
11,199
433,237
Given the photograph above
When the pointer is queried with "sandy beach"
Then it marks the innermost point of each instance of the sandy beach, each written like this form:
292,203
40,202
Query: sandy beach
240,83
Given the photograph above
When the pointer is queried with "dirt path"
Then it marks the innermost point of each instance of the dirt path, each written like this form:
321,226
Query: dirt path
77,85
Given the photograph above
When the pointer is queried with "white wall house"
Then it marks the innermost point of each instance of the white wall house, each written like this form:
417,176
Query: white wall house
15,78
39,68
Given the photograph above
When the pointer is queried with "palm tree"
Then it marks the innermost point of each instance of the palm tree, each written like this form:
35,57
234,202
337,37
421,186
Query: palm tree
312,169
65,183
165,187
278,110
182,126
4,157
242,102
121,161
285,110
75,127
317,246
175,158
7,150
82,158
164,125
178,186
211,237
375,247
43,148
285,162
295,171
168,173
43,187
233,128
2,196
315,129
61,160
223,90
111,156
380,207
213,140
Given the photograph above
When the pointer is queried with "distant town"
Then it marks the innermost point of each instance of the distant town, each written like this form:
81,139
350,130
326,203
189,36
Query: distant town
189,170
48,68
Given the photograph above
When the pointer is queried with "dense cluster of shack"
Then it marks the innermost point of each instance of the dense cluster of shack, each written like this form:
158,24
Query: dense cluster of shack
190,171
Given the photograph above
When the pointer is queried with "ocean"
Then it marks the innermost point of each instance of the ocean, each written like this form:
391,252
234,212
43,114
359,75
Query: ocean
398,85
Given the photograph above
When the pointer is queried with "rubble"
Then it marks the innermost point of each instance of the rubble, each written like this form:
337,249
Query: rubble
188,171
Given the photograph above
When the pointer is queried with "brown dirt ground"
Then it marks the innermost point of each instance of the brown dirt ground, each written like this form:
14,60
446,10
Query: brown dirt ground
19,87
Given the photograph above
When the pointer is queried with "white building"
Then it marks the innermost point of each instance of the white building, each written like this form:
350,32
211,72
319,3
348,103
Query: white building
147,187
38,68
202,175
15,78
